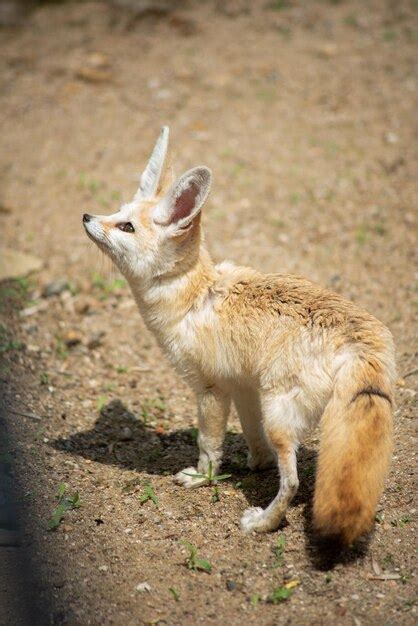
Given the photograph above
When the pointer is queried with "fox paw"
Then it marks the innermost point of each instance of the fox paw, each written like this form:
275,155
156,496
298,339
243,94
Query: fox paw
251,519
260,520
190,478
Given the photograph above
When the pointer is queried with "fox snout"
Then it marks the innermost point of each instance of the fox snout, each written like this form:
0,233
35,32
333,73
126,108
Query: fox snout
87,218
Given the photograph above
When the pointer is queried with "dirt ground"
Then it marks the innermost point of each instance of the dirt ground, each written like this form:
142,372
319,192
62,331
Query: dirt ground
307,114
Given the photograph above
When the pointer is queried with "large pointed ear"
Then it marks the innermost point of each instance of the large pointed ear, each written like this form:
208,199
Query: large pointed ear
184,199
152,177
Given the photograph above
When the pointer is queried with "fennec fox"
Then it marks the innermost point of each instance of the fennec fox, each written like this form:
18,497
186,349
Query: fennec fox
286,352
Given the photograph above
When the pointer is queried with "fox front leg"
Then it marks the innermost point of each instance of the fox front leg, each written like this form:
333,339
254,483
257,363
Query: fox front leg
213,410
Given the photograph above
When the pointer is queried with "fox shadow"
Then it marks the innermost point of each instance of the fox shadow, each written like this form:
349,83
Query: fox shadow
119,437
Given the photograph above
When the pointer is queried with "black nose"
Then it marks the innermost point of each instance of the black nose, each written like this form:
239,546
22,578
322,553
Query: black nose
86,218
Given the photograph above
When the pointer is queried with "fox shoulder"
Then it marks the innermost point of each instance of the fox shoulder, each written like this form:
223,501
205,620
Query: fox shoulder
232,278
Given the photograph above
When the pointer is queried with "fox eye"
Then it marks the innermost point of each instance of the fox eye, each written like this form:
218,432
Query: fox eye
126,227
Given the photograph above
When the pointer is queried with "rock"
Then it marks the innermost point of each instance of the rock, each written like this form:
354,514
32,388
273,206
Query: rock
93,74
327,50
55,288
98,60
14,264
391,137
5,209
95,340
231,585
67,300
142,587
83,304
32,348
72,338
33,310
67,528
125,434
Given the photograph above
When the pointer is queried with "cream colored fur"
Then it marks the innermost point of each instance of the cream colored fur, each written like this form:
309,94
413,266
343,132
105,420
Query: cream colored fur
285,351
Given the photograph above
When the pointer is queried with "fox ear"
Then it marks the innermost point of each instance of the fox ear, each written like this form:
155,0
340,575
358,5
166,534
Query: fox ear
153,175
184,199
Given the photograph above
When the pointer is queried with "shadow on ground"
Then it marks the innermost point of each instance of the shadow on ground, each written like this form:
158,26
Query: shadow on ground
120,438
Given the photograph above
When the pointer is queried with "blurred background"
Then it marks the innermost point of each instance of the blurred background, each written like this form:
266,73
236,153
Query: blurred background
306,112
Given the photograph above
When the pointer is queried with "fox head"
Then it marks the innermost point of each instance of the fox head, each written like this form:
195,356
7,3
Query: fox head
158,233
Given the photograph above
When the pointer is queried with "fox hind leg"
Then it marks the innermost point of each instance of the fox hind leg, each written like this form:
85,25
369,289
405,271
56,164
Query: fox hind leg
282,437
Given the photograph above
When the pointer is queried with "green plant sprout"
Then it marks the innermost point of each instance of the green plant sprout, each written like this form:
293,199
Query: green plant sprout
65,503
193,561
148,494
209,476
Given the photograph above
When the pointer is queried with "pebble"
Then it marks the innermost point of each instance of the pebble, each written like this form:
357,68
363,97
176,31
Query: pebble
103,568
93,74
231,585
32,348
327,50
33,310
97,59
125,434
141,587
66,528
72,338
82,305
55,287
391,138
58,583
95,340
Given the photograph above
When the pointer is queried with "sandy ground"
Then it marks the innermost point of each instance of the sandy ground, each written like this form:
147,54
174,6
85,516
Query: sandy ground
306,113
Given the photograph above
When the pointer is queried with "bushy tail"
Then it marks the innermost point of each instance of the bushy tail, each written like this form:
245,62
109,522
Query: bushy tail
355,451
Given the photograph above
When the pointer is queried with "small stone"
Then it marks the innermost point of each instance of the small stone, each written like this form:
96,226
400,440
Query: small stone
103,568
93,74
58,583
97,59
231,585
33,310
391,138
72,338
142,587
30,347
126,434
82,305
67,301
5,208
55,287
66,528
327,50
95,340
